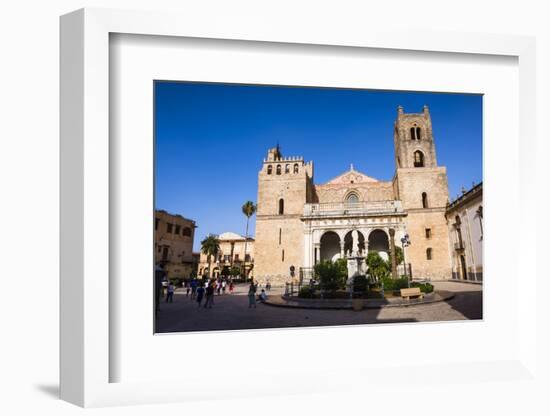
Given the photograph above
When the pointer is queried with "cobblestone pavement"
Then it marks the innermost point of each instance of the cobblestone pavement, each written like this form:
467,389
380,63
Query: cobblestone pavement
232,312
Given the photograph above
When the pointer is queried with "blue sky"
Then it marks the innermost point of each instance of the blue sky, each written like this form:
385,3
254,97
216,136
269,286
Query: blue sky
211,140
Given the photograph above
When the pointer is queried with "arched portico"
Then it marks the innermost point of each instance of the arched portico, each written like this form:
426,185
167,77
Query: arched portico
330,246
379,242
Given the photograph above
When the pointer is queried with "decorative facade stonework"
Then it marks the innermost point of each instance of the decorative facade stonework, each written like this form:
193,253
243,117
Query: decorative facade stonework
300,223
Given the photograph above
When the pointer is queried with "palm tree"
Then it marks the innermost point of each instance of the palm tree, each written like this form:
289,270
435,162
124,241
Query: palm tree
249,209
210,246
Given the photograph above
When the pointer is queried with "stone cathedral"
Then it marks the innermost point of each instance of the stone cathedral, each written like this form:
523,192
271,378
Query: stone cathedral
300,223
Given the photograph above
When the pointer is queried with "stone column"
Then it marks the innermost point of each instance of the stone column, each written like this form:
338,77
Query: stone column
393,257
342,244
317,256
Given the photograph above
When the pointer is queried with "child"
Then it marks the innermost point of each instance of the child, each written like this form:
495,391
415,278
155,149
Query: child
263,296
170,292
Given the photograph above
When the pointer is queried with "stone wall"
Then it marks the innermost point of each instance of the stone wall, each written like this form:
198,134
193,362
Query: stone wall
439,267
411,184
371,191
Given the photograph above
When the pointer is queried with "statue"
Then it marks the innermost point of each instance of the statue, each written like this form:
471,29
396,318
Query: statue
354,243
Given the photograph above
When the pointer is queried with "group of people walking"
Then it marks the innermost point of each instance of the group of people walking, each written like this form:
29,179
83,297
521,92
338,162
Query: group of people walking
199,290
203,291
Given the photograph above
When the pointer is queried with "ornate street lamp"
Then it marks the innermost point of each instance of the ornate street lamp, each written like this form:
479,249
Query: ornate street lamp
405,242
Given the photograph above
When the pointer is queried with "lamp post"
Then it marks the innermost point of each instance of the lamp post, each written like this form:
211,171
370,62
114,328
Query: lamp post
405,242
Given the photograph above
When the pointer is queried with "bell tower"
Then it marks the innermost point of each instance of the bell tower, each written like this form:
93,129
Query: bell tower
421,186
413,140
285,184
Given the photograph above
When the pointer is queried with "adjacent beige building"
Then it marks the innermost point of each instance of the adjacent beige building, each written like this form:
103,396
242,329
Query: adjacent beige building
299,223
231,254
465,223
174,236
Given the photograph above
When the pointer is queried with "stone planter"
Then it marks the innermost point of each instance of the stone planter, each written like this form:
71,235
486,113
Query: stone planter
357,304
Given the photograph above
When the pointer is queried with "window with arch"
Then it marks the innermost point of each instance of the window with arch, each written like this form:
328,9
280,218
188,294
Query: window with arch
418,159
416,133
281,206
278,171
424,200
429,253
269,169
295,168
352,198
287,168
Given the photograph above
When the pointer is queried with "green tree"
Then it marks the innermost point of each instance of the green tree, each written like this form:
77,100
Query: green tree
235,271
210,246
248,209
331,275
378,268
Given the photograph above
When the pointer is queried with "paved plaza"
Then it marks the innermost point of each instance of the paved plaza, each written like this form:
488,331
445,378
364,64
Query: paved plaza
232,312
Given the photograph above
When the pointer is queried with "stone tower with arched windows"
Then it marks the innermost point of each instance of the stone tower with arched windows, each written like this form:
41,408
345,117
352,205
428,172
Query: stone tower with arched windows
285,186
421,186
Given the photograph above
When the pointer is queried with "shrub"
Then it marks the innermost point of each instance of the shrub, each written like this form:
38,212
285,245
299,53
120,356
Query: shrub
378,268
331,275
394,284
306,292
424,287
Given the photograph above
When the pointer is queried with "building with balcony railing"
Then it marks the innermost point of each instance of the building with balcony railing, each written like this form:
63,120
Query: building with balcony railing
300,223
231,255
465,222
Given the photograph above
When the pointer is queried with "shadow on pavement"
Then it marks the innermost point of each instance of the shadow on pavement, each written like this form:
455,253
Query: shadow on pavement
469,304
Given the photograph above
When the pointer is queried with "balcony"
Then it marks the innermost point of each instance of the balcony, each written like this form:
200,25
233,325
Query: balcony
353,209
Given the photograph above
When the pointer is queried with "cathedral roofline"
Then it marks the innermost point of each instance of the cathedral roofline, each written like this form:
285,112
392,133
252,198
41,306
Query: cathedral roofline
351,176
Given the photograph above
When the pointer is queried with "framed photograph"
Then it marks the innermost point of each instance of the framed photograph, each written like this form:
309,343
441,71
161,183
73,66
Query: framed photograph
316,210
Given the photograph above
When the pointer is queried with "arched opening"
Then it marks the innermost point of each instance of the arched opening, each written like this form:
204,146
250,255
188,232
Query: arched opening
352,198
330,246
278,171
295,168
418,159
287,168
281,206
348,248
269,169
413,135
379,242
418,133
424,200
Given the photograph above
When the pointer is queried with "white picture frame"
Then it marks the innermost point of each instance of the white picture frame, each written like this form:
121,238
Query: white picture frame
86,354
